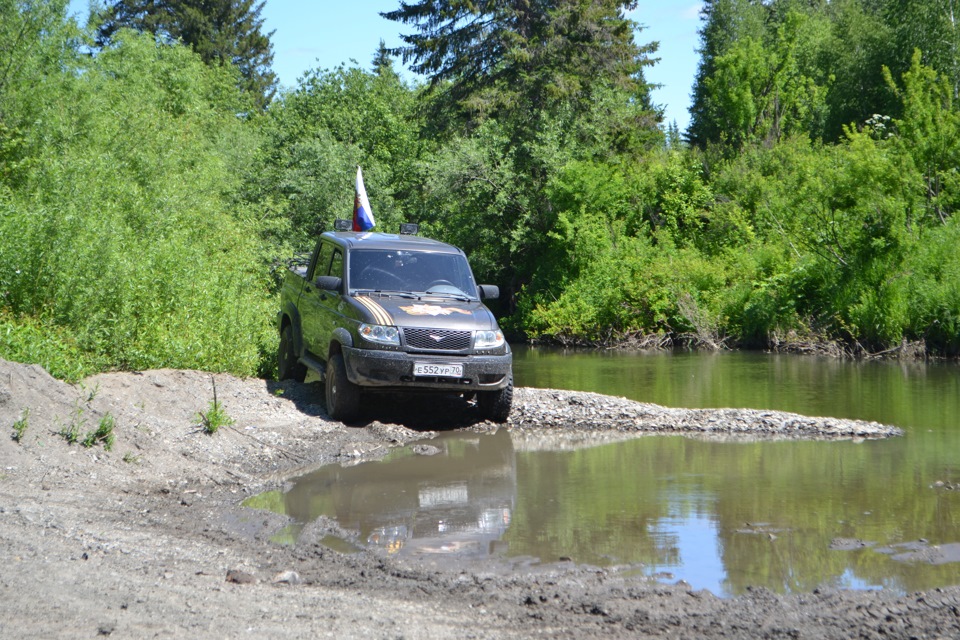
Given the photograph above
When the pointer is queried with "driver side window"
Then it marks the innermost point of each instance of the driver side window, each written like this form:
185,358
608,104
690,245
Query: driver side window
323,261
336,264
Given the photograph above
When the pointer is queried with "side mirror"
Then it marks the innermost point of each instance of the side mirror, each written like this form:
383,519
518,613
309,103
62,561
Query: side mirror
328,283
489,291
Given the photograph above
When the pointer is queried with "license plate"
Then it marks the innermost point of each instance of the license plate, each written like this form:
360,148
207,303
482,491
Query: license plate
438,370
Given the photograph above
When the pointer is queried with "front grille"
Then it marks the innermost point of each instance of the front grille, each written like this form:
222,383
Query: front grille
437,339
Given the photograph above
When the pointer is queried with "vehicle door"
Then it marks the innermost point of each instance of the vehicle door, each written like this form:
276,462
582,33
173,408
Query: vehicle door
317,305
333,304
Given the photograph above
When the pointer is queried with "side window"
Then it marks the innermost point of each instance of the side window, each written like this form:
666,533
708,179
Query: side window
323,260
336,265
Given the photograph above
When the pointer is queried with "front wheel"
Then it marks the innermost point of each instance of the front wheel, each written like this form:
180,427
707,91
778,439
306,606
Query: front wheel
343,397
495,405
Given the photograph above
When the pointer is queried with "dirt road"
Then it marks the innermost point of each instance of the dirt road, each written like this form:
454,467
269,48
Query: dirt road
148,539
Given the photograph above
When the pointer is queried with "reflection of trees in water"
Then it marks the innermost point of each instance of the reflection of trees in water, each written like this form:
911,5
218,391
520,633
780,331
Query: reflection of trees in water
813,493
776,506
596,505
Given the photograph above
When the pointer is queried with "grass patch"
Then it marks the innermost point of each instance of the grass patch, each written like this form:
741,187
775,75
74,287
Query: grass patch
103,434
215,417
71,431
20,426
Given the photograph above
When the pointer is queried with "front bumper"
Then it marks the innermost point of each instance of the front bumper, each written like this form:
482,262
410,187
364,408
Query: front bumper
394,369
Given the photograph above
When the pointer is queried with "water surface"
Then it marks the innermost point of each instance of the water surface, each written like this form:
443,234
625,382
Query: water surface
789,516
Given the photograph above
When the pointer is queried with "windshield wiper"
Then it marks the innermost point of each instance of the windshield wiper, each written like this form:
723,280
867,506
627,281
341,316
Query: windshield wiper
386,293
462,297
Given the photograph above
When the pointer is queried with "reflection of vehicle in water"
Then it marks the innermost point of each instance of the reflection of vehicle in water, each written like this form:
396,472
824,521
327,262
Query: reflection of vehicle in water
457,501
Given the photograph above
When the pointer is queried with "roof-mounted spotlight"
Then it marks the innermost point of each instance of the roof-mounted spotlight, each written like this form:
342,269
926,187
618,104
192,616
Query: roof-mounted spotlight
409,228
341,224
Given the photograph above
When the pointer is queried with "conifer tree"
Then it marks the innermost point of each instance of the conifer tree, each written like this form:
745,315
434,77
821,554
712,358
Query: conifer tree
495,54
383,61
219,31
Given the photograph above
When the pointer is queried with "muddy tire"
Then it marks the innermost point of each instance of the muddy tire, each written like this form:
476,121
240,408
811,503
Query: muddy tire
287,366
495,405
343,397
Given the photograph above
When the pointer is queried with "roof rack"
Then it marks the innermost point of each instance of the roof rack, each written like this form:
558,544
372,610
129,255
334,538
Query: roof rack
406,228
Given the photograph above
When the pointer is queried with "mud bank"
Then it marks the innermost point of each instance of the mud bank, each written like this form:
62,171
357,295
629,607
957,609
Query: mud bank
148,538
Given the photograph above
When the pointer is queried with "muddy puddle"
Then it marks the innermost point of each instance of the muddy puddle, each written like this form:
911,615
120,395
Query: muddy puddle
452,495
789,516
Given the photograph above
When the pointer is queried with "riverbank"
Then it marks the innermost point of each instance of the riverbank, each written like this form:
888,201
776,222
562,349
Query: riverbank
789,342
148,538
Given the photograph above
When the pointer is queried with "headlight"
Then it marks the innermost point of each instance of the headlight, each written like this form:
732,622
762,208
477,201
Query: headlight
380,334
487,339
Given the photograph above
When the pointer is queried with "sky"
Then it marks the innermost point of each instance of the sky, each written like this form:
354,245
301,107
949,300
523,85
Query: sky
311,35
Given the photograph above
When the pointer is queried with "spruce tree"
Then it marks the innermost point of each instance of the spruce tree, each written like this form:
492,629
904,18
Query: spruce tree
383,61
219,31
490,55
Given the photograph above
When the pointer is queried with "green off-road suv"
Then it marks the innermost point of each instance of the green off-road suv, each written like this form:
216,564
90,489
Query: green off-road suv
376,312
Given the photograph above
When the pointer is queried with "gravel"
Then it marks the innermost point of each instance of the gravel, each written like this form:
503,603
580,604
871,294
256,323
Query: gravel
149,538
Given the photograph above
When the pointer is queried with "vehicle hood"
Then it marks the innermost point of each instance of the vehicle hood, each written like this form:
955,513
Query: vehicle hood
437,313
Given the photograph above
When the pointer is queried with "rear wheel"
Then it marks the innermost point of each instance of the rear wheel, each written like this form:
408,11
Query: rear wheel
495,405
343,397
288,368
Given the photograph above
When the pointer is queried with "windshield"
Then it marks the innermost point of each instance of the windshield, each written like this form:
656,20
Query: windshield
413,271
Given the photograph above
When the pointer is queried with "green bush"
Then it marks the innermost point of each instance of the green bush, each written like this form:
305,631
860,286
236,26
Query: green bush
127,241
25,339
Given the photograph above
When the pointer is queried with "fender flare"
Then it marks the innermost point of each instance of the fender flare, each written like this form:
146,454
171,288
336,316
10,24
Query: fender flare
291,315
342,338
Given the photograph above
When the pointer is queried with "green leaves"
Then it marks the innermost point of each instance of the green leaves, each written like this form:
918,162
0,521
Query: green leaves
319,133
764,88
125,235
928,134
492,58
221,32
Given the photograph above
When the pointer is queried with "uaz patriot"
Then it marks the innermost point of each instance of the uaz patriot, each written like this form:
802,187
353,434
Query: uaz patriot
379,312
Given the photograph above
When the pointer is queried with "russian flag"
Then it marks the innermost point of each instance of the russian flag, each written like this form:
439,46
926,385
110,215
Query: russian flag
362,213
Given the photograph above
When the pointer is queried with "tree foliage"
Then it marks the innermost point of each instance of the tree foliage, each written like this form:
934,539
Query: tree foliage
219,31
519,89
819,64
145,209
319,133
120,231
494,55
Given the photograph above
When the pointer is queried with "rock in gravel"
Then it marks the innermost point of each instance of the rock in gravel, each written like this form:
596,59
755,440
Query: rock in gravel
240,577
425,450
287,577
